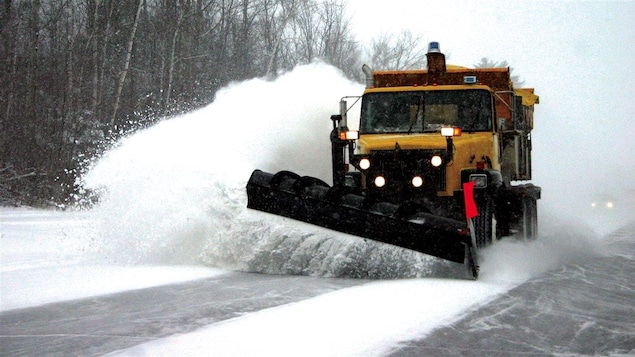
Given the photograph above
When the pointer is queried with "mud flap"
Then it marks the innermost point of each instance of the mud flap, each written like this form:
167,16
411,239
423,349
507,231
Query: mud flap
471,258
310,200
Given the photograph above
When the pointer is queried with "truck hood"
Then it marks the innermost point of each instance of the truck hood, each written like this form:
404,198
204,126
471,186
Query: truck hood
405,142
466,147
368,143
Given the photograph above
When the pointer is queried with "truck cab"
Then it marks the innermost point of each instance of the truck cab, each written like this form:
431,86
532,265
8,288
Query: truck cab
404,156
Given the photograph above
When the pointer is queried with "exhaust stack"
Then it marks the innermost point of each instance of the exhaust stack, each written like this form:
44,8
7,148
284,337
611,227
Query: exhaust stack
368,72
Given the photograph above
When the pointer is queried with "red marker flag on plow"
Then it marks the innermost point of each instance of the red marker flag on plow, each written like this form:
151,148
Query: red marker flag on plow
468,196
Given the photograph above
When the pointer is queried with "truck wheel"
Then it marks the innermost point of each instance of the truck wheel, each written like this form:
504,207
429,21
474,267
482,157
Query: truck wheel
485,224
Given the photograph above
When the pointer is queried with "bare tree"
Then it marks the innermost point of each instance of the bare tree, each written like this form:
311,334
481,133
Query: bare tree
175,17
276,16
8,71
337,43
322,31
72,70
99,15
126,64
404,51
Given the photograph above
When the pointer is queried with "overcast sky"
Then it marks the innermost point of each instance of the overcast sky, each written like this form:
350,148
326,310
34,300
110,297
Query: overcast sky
580,58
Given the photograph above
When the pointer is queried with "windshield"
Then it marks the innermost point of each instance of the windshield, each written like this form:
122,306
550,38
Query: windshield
426,111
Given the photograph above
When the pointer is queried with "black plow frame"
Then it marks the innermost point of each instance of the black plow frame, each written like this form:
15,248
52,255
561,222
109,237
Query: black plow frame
312,201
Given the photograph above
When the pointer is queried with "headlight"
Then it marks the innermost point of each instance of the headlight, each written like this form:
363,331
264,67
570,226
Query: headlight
436,161
480,180
417,181
364,164
380,181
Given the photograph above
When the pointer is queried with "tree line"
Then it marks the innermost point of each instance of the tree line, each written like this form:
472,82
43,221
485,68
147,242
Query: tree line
77,74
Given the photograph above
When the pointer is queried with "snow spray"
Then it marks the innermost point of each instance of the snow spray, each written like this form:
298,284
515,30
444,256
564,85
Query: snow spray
175,193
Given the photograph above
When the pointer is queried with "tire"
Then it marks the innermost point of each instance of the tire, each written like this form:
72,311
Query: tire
485,223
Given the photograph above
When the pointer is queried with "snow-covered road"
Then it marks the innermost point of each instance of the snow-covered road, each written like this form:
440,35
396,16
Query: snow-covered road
585,308
61,297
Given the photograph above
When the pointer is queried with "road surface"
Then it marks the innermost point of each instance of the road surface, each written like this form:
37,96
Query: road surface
98,325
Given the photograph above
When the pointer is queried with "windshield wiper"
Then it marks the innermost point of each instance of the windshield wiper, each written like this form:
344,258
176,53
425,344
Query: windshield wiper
470,127
416,117
411,126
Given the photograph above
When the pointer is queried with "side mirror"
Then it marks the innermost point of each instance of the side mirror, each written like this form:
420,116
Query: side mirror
519,118
343,110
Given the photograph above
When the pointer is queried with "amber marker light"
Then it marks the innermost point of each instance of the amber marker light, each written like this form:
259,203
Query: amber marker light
349,135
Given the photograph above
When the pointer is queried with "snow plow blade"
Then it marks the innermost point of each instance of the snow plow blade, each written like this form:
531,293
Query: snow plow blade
310,200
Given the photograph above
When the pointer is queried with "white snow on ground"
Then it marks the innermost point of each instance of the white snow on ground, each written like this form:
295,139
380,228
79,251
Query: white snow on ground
44,260
359,321
372,319
45,257
36,286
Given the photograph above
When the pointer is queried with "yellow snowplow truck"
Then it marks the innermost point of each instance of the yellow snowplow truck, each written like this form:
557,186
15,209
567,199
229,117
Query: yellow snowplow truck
431,144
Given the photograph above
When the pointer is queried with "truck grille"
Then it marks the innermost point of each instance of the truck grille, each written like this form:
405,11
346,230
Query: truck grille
400,166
